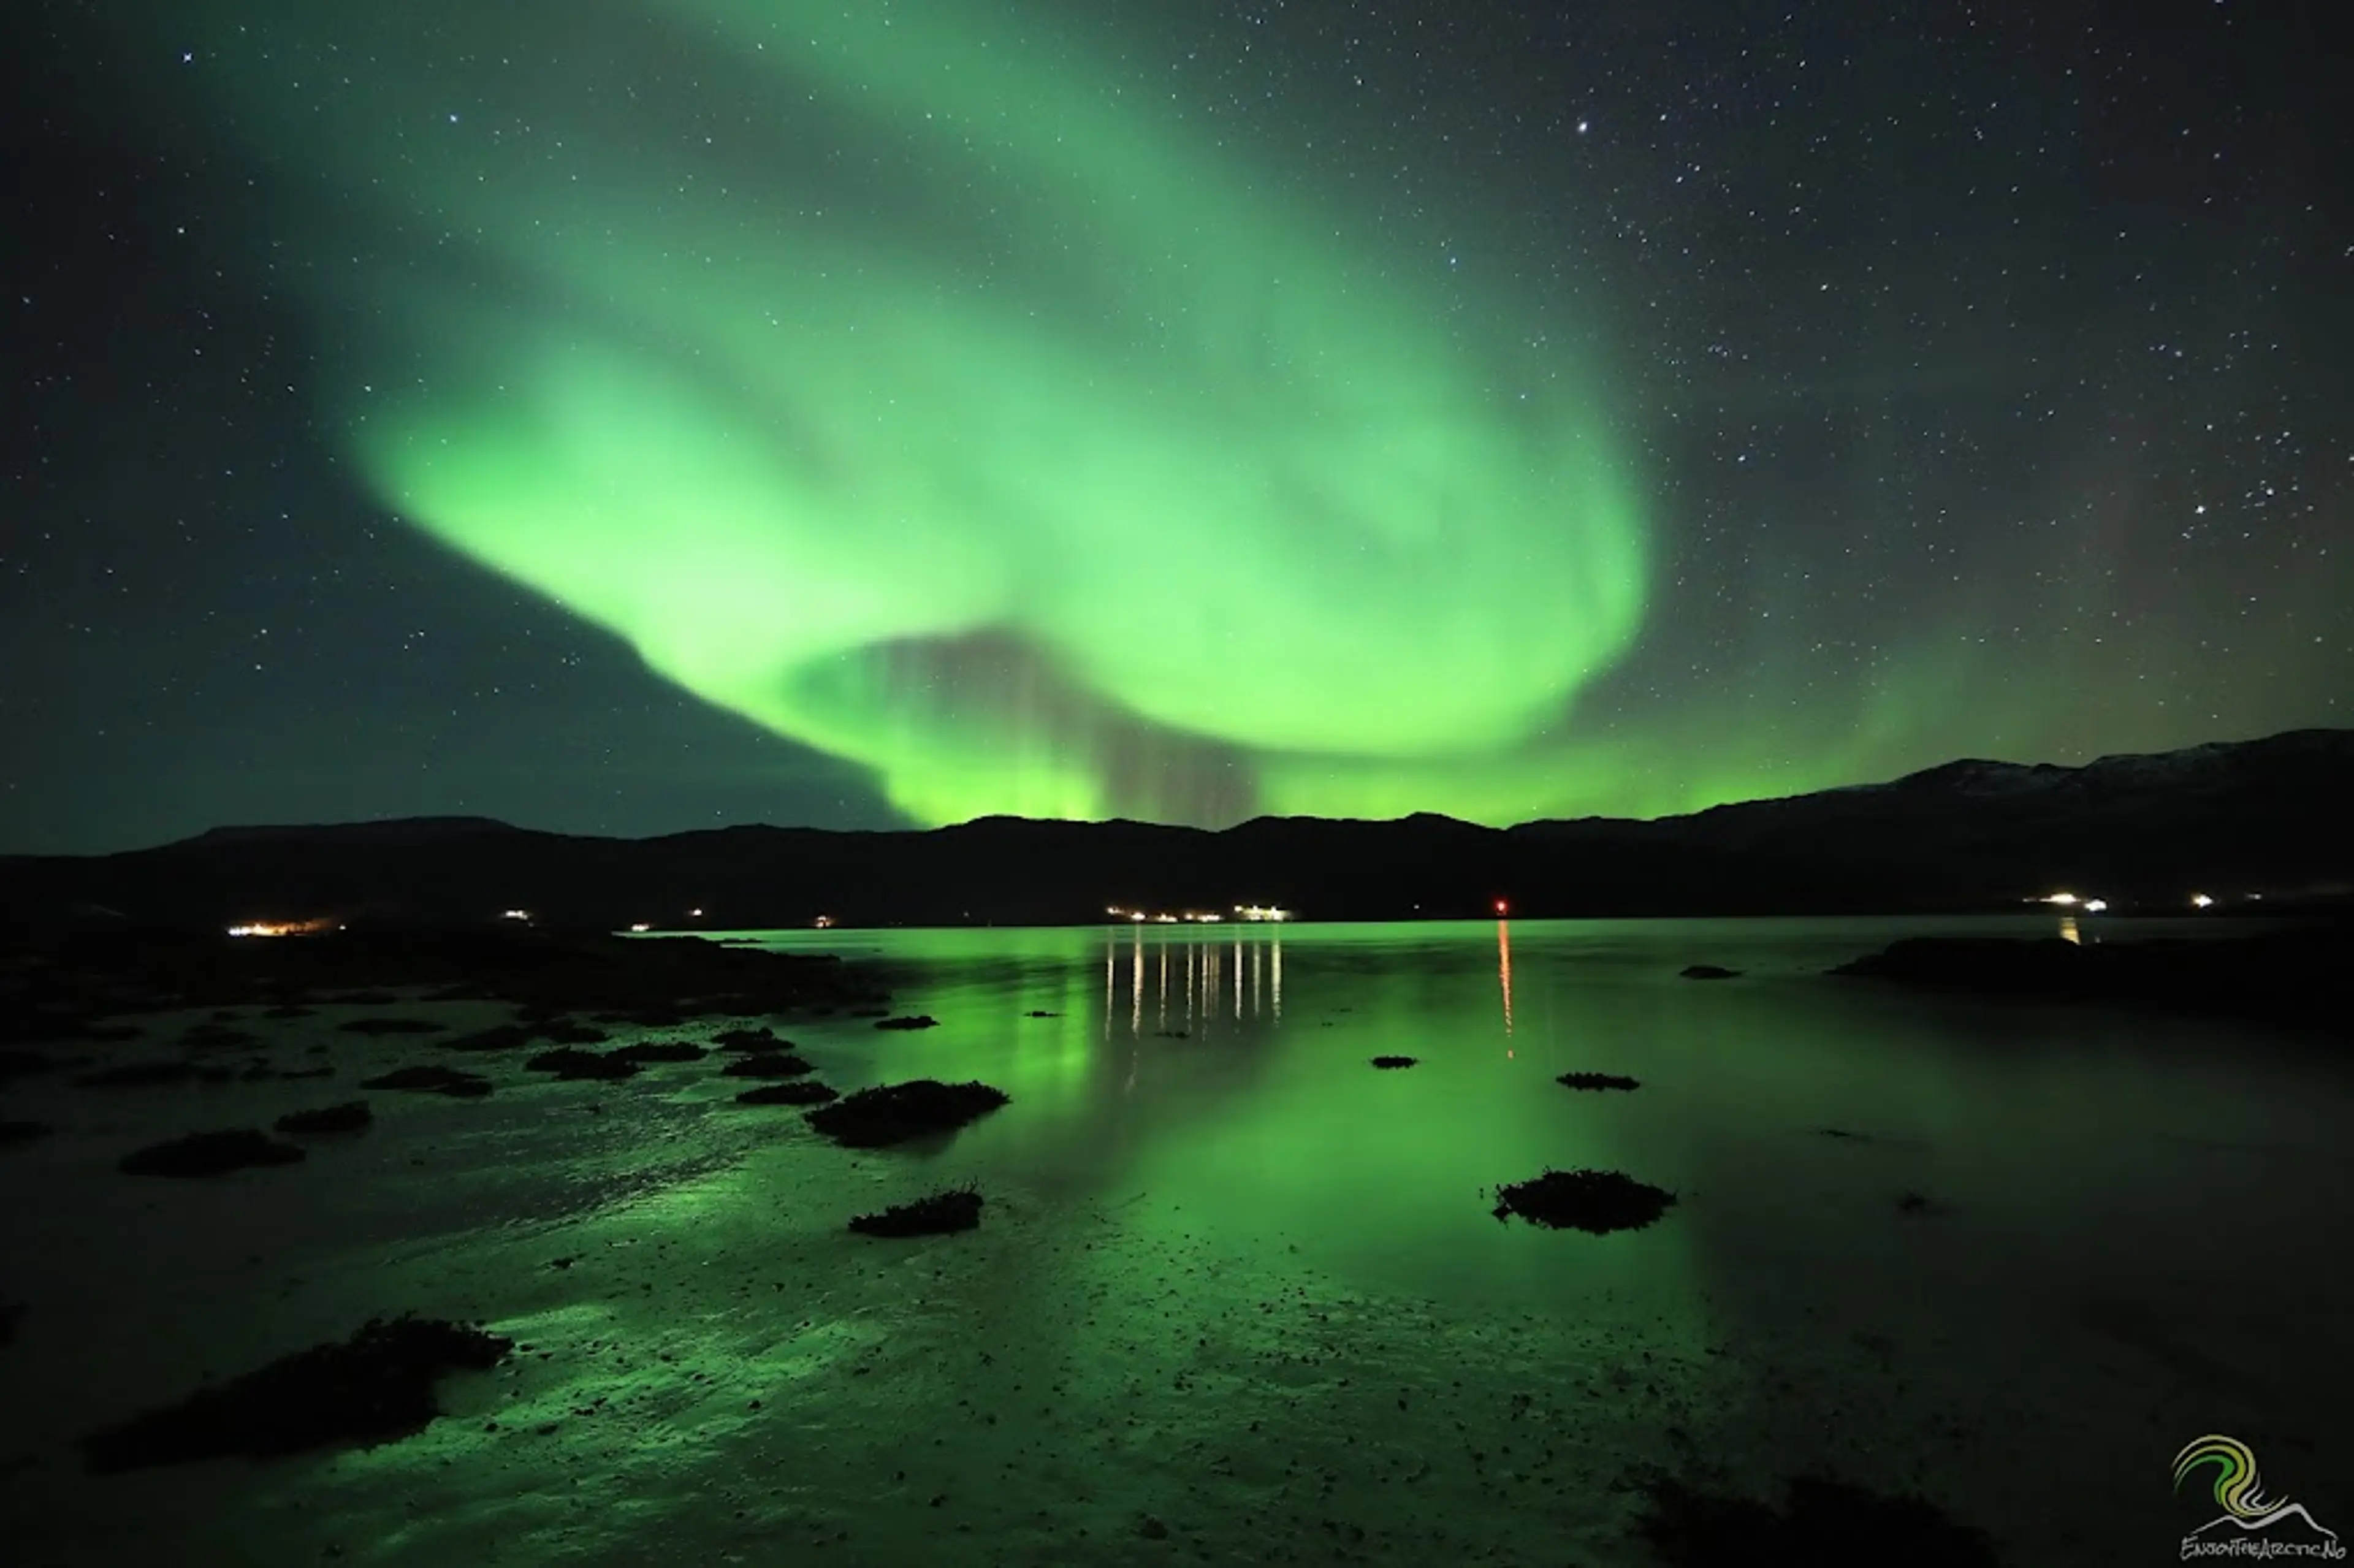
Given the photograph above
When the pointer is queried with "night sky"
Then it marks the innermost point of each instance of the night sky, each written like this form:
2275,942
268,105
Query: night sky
630,416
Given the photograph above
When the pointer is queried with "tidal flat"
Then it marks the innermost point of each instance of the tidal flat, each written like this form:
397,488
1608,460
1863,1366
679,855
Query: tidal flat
1233,1297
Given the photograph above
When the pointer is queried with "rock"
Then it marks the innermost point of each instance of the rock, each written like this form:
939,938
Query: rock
571,1064
895,1113
287,1010
661,1051
1826,1523
392,1026
1041,1012
1393,1063
11,1314
1709,972
432,1080
570,1032
955,1209
1595,1202
915,1021
793,1092
1597,1081
375,1387
760,1039
15,1132
768,1064
209,1154
352,1116
497,1037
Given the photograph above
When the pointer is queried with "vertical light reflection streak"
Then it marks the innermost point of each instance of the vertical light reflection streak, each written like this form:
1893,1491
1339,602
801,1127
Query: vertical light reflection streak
1136,989
1504,972
1278,967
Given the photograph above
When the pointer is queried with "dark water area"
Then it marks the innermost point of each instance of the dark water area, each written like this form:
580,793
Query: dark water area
1238,1295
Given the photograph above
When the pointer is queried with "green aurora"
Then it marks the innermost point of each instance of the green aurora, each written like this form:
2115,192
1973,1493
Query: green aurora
1051,463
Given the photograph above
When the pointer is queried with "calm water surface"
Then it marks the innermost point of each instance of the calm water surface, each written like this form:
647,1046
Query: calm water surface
2134,1222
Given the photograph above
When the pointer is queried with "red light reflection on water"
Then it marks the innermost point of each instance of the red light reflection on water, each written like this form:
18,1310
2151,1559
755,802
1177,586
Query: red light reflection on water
1504,972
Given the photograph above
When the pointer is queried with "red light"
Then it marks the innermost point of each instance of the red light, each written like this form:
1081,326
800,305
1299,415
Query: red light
1500,906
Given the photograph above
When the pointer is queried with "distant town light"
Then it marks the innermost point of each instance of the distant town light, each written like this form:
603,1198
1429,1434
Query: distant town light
284,929
2201,901
514,913
1261,912
695,914
2095,906
1502,907
641,926
2062,898
825,922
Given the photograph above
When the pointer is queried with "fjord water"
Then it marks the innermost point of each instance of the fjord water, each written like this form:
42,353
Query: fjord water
1237,1296
2127,1239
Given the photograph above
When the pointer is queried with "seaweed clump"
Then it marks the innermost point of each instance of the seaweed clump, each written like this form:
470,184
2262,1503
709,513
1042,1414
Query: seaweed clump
571,1064
209,1154
660,1050
376,1386
1598,1081
352,1116
432,1080
497,1037
1393,1063
913,1021
1595,1202
1825,1522
895,1113
940,1213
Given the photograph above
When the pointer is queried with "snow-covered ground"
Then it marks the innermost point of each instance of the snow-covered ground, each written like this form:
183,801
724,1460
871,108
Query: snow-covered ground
1236,1298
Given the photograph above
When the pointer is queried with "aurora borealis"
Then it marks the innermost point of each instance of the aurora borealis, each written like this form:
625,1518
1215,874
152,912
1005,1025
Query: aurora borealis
1162,487
630,416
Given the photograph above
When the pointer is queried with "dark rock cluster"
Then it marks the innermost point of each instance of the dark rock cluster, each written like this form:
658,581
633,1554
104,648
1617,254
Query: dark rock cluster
377,1385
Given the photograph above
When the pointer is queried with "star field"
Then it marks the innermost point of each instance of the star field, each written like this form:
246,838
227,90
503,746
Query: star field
680,412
